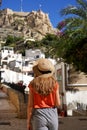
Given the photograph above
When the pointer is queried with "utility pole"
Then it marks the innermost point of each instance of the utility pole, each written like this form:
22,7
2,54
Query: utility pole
0,50
0,62
64,88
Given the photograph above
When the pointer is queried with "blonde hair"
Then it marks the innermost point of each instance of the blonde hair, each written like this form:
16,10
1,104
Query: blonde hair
42,85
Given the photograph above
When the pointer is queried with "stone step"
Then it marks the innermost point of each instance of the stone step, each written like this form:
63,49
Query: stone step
7,109
8,115
5,104
3,95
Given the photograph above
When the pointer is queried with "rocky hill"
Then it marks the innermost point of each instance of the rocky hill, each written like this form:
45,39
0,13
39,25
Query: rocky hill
33,24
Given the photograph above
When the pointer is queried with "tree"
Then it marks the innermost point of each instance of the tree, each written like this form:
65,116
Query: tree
77,54
77,21
72,46
48,45
11,40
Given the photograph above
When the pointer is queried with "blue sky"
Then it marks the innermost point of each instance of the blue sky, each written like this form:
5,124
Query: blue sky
52,7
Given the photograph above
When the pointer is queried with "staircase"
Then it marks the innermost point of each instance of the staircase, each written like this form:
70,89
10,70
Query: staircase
7,109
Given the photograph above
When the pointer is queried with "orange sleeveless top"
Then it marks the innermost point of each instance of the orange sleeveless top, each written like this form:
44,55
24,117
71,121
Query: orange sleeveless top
41,101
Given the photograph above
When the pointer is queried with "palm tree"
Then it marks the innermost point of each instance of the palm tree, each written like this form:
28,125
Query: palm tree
74,40
76,23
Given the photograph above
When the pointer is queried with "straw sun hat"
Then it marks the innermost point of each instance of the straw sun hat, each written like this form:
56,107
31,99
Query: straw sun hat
43,67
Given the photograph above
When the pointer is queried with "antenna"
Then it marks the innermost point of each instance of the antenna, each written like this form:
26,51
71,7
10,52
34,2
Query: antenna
40,6
21,5
0,2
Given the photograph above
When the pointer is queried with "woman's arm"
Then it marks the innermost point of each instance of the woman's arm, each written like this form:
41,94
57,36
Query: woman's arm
29,109
57,97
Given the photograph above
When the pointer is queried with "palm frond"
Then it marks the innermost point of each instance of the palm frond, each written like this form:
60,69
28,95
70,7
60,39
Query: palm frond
78,11
82,3
67,10
69,22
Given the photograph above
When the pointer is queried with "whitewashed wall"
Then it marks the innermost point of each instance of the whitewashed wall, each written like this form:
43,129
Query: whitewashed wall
11,76
76,100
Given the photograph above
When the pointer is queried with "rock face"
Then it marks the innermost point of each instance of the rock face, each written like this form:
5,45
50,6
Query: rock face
76,77
33,24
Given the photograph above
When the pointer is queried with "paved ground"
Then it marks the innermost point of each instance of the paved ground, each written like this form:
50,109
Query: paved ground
13,124
66,123
9,120
73,123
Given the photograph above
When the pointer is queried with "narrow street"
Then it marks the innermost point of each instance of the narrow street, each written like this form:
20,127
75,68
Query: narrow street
9,120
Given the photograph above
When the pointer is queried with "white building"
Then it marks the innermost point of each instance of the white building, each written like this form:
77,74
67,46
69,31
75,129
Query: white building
34,54
6,51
